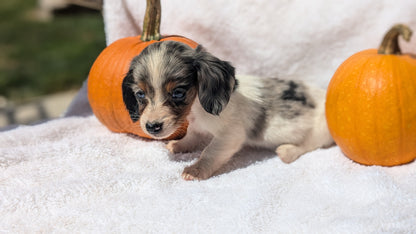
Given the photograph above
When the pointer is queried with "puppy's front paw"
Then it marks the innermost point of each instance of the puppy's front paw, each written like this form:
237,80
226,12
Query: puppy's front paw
175,147
171,146
195,172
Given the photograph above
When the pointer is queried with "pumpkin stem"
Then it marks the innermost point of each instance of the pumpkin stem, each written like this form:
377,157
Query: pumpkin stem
151,23
390,43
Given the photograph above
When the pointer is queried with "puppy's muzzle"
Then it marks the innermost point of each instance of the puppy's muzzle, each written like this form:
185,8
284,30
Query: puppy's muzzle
154,127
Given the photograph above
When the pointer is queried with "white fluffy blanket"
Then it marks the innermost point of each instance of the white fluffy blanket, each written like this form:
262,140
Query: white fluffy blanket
72,175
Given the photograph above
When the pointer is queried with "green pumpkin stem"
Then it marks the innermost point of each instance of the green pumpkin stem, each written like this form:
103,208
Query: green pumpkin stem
390,43
151,23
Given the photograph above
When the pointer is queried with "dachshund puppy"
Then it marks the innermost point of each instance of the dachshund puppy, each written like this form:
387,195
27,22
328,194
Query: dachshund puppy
169,83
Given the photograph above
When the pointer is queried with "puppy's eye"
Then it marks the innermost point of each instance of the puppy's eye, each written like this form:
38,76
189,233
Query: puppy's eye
178,94
140,94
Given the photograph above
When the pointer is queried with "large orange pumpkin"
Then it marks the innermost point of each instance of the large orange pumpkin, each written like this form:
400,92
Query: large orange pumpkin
371,104
109,69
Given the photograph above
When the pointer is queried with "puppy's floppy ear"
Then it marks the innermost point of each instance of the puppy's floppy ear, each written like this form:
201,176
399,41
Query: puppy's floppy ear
129,97
216,81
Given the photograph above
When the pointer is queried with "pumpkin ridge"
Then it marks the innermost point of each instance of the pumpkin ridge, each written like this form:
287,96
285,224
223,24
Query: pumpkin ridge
383,62
401,103
408,66
113,99
92,89
362,146
378,127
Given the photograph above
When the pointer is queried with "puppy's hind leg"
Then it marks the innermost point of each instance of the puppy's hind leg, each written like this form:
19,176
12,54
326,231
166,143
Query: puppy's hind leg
312,141
289,152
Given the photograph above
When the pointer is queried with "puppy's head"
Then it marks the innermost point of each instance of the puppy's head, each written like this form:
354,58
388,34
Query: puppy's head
166,77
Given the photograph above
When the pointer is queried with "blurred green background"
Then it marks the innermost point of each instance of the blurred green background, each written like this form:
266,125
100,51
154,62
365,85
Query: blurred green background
39,56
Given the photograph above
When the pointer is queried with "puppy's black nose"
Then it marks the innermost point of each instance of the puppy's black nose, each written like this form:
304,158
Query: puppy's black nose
154,127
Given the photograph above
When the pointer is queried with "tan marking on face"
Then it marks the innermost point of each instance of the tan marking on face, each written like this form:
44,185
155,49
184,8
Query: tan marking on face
170,86
143,86
140,86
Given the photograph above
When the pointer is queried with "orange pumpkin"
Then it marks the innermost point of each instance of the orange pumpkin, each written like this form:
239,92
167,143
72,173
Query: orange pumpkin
109,69
371,104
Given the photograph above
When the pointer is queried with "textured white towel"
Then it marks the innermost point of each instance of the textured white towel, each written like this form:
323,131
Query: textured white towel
298,39
72,175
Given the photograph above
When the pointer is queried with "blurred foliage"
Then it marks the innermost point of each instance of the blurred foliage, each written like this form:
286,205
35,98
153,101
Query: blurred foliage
38,58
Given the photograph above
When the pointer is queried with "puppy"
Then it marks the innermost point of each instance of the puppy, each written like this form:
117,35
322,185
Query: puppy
169,83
